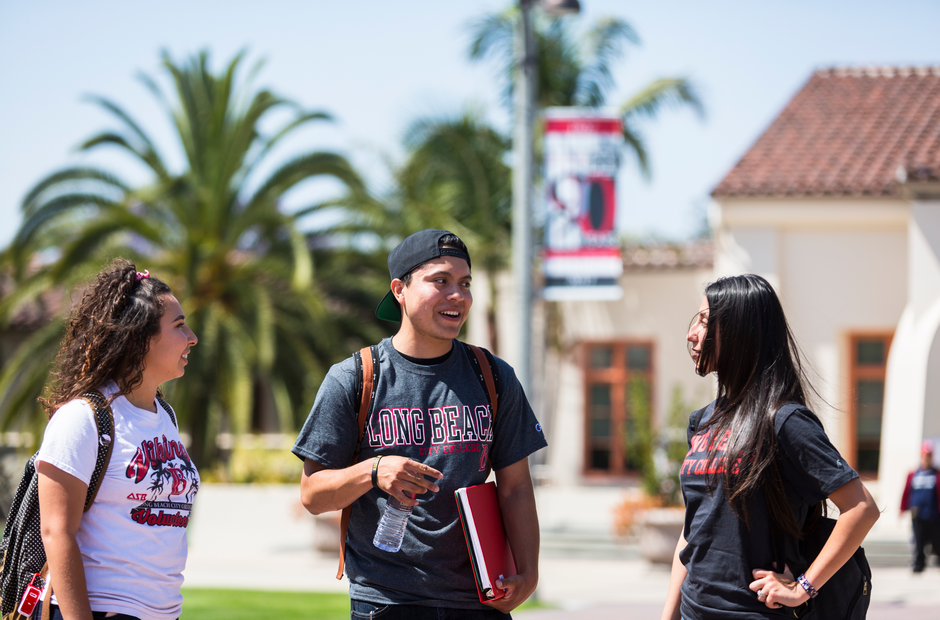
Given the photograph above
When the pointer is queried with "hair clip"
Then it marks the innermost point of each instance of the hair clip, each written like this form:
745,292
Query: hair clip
145,274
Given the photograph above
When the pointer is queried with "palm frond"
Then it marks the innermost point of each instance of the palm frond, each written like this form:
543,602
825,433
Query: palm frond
69,177
637,146
603,44
493,35
148,153
666,93
51,210
302,168
24,375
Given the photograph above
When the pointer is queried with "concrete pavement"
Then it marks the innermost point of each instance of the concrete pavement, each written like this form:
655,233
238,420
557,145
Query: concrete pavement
260,537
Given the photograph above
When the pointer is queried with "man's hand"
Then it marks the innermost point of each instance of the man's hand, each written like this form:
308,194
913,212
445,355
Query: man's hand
405,479
517,506
518,589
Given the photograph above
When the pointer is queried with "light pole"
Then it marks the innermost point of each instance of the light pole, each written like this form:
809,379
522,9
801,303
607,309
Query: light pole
522,190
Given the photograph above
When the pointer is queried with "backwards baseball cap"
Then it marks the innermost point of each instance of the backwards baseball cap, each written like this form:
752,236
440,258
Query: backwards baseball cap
926,447
407,256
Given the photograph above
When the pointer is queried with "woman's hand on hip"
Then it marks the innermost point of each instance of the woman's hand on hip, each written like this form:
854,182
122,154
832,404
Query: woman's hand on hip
777,589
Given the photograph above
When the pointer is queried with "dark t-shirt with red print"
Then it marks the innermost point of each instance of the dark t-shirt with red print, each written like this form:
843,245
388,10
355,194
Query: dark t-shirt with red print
721,550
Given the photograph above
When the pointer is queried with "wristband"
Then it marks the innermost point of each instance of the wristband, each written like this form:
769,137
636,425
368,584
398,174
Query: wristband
375,472
803,581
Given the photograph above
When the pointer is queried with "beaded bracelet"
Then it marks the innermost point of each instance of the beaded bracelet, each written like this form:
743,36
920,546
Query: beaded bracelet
803,581
375,472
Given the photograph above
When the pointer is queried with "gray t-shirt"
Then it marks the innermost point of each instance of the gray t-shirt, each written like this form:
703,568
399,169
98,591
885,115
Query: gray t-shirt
438,415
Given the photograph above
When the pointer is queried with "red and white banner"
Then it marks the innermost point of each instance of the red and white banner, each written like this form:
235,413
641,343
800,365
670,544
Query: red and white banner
581,257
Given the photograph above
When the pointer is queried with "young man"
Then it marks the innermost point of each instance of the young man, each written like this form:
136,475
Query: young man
921,498
430,431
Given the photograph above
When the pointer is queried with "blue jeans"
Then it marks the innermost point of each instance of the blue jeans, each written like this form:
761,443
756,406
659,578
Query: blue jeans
361,610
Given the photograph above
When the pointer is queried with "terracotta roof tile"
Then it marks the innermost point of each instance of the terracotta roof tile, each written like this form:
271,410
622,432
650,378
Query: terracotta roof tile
847,132
659,256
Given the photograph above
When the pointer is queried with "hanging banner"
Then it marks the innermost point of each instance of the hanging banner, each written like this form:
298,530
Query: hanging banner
581,257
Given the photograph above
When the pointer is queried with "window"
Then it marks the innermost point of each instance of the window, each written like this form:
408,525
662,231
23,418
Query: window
868,368
616,374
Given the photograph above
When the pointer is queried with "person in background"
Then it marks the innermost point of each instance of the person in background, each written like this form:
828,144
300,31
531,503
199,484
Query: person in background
429,433
750,470
921,498
123,558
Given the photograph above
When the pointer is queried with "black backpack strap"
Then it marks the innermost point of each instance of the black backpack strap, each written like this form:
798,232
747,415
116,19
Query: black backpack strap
104,422
696,419
169,410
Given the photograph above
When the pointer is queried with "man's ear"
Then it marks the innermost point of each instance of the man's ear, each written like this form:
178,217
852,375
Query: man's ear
397,287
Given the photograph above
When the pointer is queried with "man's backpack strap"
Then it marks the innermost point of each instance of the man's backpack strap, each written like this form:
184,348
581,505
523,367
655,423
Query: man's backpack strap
367,375
482,360
104,422
484,365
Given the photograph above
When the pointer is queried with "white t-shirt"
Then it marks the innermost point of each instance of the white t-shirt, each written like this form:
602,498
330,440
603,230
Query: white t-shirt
133,539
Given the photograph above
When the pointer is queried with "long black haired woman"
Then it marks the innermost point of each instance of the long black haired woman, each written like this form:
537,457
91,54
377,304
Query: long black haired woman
756,470
122,559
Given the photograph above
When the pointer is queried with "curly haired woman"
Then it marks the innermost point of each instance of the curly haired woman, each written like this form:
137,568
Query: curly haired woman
124,557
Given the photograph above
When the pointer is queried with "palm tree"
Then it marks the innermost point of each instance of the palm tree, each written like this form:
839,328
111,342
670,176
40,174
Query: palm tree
454,178
216,233
577,70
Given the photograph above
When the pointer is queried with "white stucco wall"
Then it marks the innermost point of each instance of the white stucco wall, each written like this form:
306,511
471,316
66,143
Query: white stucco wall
657,306
834,283
840,267
912,390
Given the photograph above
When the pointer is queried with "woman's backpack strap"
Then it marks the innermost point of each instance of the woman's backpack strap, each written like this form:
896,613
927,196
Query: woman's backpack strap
104,422
169,411
695,420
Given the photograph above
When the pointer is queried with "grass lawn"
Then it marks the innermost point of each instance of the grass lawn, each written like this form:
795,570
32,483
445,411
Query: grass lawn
217,604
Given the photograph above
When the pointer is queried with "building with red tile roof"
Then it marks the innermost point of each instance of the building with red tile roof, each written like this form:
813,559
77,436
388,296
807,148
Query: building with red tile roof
848,132
837,204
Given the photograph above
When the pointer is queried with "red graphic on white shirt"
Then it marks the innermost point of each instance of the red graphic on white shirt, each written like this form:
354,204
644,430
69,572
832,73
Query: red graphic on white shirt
167,462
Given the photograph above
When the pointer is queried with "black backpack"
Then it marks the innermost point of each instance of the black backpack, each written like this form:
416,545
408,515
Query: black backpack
847,594
23,555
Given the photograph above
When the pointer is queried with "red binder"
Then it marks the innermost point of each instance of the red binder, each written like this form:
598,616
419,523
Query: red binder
483,529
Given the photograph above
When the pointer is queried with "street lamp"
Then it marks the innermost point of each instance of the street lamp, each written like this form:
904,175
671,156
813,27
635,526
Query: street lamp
561,7
526,88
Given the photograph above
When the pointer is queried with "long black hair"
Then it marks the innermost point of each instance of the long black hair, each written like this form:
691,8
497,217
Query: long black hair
749,345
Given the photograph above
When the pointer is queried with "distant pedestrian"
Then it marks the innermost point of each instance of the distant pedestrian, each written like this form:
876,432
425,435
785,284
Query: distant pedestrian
123,558
751,472
921,498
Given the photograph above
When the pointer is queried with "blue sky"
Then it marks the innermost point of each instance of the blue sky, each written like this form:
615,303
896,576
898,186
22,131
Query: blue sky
378,65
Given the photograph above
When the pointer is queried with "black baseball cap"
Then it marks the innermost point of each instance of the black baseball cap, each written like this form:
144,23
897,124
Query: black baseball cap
407,256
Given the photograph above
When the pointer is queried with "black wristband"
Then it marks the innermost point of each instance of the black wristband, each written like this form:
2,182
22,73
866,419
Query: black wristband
375,472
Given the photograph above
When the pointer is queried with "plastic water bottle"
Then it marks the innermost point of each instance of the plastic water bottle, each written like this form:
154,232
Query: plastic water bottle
391,528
